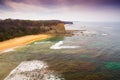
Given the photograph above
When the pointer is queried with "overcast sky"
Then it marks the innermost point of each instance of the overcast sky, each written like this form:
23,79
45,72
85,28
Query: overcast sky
72,10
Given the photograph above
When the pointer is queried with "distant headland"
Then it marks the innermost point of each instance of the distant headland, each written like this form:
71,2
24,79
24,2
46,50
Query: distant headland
11,28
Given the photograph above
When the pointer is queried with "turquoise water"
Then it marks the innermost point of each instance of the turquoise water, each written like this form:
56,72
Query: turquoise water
96,57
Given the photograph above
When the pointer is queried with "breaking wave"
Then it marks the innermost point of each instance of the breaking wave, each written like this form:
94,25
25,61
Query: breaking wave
58,46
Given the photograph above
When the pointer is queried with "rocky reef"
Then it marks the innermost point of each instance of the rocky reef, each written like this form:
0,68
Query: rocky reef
33,70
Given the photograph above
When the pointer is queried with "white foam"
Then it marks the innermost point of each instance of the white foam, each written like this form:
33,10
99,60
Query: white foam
17,77
27,69
68,47
29,66
52,77
58,46
90,32
42,42
8,50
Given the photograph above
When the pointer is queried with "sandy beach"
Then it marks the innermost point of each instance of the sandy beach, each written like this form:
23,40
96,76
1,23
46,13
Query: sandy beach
20,41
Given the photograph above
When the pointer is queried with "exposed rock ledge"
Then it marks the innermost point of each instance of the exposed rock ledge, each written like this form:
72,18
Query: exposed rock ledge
33,70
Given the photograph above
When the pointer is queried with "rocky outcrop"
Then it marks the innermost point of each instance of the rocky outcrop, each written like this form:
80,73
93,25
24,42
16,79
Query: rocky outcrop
33,70
59,29
67,22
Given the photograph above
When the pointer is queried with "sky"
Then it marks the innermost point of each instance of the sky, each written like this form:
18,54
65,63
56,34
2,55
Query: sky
67,10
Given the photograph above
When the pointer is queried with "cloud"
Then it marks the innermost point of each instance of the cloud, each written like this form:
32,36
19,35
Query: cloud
54,3
60,9
23,6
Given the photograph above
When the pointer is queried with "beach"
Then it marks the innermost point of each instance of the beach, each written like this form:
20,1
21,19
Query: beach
20,41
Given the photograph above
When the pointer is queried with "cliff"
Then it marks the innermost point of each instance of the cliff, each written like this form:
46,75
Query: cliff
14,28
59,28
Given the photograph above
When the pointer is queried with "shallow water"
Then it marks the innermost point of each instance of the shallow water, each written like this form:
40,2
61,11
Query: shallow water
96,58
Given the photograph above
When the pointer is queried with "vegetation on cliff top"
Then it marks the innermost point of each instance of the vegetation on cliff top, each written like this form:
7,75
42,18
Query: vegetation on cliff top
10,28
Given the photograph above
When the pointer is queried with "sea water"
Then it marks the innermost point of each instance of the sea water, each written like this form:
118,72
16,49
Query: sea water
98,54
92,53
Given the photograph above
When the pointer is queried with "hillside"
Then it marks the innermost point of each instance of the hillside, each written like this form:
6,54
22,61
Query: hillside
10,28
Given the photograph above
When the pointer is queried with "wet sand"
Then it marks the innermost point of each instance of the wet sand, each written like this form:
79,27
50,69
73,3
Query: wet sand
20,41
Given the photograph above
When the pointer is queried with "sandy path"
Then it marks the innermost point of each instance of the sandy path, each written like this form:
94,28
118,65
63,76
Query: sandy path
21,41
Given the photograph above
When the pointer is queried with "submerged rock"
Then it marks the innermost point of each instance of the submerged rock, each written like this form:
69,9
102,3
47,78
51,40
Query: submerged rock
113,65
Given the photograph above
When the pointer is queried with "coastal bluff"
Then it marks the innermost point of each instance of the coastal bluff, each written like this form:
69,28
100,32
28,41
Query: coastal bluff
59,29
11,28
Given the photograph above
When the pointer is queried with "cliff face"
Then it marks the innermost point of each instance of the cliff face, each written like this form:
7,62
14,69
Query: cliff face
14,28
59,29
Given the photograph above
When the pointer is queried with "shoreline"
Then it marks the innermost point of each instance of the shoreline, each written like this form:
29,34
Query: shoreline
20,41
